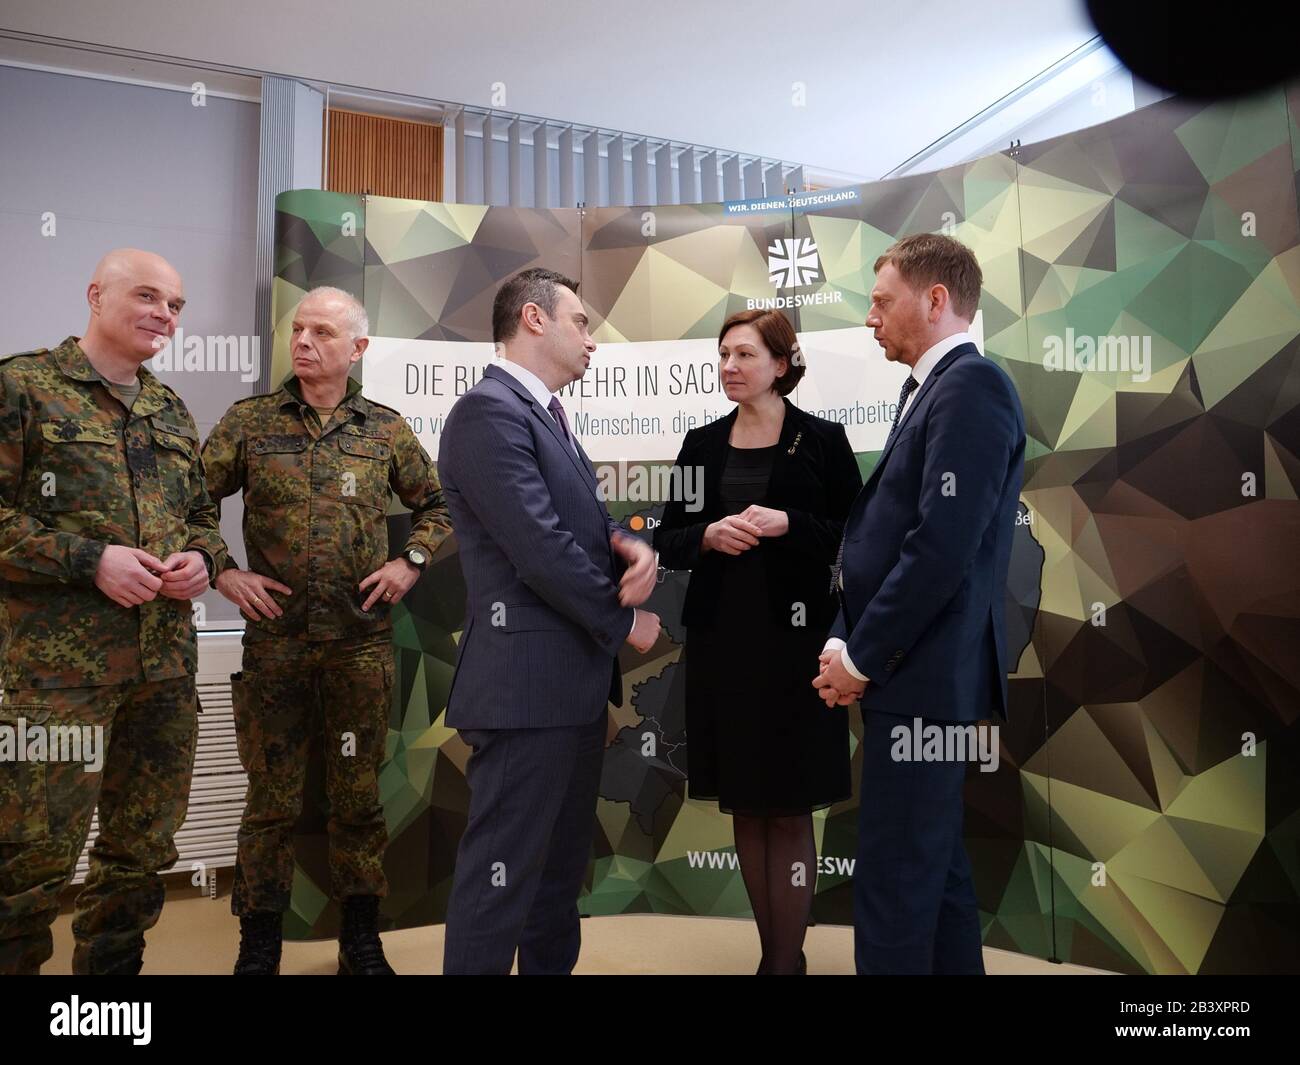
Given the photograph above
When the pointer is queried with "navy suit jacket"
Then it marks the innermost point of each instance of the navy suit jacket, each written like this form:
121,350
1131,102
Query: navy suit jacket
543,625
927,545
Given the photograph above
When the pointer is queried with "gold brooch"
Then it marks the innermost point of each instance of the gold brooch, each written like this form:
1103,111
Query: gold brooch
797,437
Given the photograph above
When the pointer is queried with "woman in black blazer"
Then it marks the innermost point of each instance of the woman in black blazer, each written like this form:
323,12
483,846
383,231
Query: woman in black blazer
778,485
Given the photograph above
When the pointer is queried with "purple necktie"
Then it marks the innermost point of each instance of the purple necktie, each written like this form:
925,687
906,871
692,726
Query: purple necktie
557,412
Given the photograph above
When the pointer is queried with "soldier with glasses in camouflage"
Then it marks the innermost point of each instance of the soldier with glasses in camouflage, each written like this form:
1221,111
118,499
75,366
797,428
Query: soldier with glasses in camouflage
106,534
317,463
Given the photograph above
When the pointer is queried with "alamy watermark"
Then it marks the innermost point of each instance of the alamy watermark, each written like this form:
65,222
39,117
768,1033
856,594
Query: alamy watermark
651,482
26,741
77,1018
1102,354
922,742
210,354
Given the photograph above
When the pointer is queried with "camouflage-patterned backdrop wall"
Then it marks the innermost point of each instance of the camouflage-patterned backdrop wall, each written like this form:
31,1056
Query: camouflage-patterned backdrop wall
1142,285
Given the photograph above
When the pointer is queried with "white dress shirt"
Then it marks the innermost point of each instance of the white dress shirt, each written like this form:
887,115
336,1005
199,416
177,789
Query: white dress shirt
924,365
536,388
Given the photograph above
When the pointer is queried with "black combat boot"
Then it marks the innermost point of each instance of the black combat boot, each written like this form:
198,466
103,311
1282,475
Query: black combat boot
260,937
96,960
360,952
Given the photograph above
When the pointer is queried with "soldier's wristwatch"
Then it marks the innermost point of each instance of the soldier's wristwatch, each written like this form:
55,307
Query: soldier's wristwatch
417,558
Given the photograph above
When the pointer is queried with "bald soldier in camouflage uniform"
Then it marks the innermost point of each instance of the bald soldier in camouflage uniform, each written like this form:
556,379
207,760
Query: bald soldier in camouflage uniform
317,463
106,532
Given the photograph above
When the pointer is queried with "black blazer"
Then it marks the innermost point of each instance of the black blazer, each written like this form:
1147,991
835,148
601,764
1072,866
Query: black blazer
815,479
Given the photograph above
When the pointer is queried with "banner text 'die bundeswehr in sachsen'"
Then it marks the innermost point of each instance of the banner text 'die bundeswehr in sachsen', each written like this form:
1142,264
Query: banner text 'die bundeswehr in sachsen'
638,400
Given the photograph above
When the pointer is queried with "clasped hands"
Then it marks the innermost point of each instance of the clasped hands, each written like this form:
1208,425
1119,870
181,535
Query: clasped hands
130,576
835,684
739,532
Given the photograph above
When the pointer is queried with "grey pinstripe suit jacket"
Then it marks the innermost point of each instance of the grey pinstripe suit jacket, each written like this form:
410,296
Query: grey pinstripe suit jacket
543,625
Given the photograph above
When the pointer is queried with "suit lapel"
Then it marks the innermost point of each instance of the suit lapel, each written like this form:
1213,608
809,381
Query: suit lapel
922,392
915,405
715,459
580,463
791,429
585,464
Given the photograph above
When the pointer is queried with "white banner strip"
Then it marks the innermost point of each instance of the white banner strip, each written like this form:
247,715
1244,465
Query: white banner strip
638,400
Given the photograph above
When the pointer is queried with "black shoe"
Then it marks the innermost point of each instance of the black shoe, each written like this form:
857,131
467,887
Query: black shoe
260,937
128,966
360,952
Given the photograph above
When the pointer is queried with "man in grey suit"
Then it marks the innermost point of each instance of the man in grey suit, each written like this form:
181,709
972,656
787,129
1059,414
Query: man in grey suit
546,613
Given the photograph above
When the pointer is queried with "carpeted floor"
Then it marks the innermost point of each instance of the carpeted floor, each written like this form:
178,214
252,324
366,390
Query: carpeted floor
199,935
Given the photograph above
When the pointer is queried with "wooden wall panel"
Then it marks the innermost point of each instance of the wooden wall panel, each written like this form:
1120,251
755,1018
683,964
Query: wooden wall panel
378,156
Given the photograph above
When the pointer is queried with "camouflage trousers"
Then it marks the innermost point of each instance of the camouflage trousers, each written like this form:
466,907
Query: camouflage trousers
144,735
288,690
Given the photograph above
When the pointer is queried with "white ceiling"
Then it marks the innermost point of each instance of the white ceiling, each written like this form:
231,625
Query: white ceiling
882,80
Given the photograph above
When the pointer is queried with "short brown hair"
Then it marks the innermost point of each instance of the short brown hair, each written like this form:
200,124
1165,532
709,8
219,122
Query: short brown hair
779,336
535,285
926,259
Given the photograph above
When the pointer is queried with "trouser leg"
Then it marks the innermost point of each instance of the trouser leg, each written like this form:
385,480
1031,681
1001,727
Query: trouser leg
142,804
552,937
519,780
274,701
909,821
45,814
356,684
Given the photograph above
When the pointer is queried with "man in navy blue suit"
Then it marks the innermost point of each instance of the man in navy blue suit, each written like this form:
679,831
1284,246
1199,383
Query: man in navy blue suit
920,638
546,613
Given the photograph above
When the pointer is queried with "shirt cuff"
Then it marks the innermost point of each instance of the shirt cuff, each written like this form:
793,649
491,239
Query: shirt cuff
836,644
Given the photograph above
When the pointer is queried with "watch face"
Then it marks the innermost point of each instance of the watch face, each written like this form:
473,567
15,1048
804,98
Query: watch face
416,557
